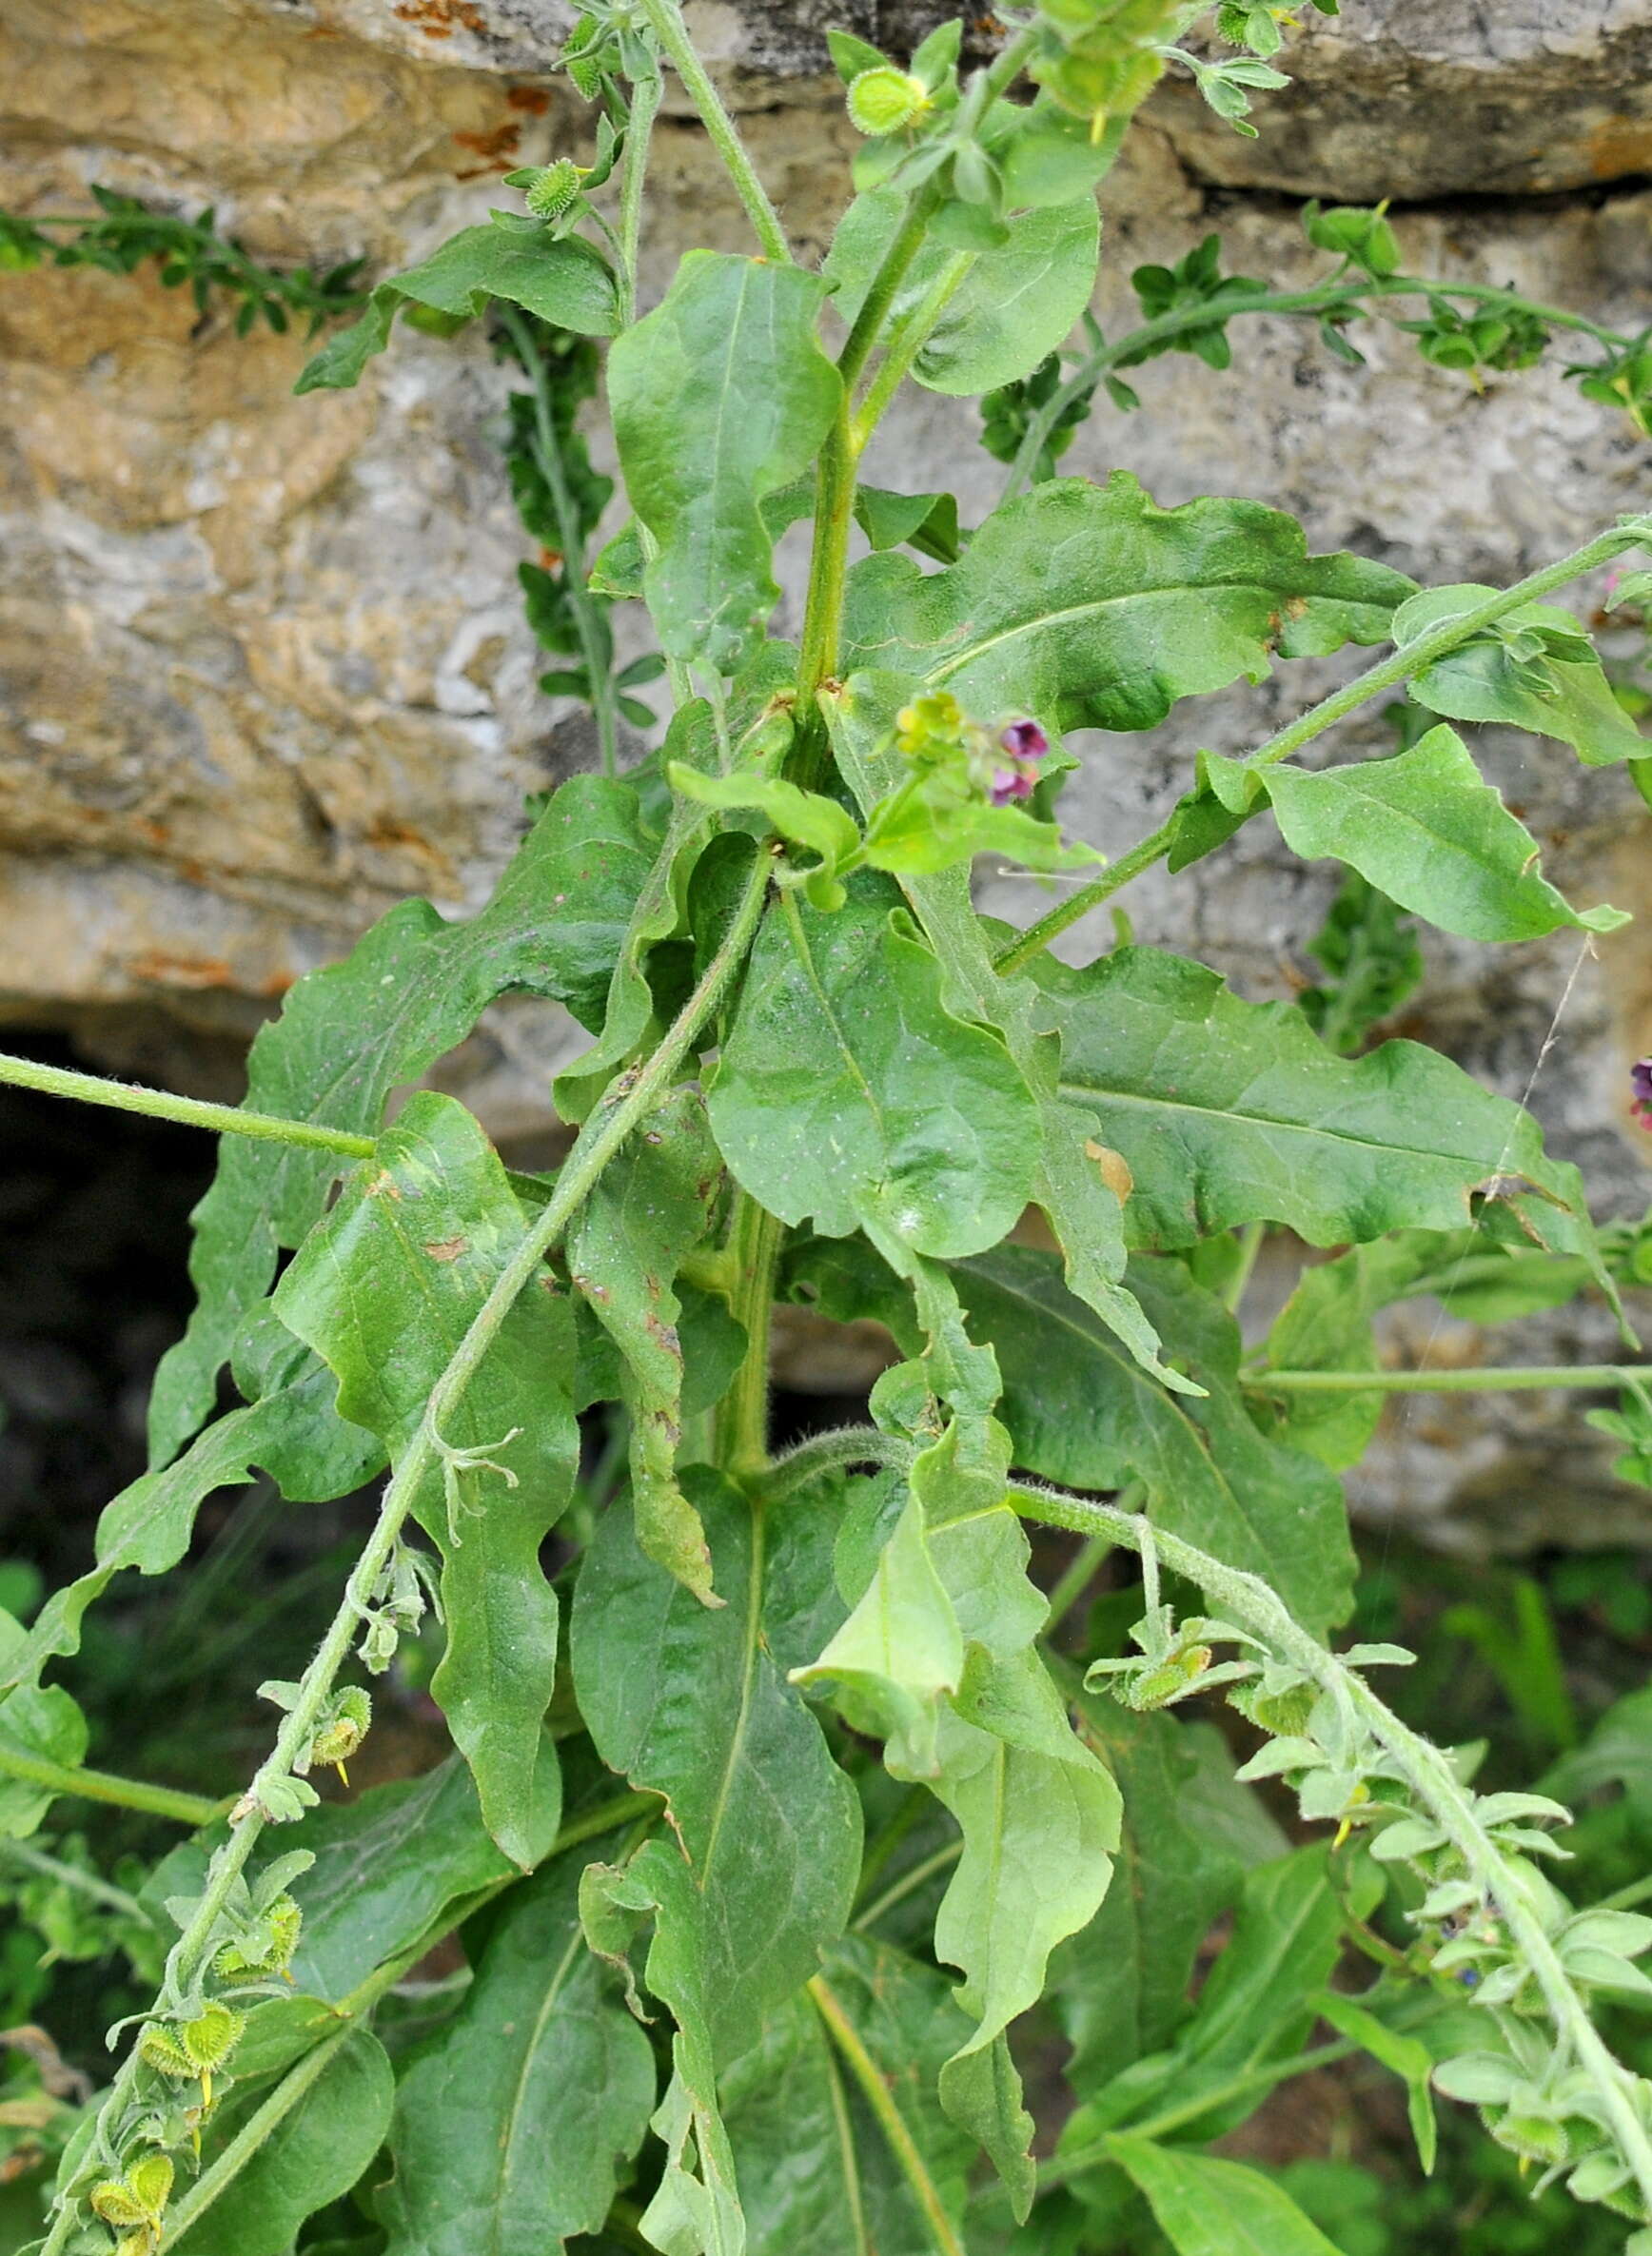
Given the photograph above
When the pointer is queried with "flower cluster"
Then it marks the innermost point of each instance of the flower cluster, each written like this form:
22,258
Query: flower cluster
964,760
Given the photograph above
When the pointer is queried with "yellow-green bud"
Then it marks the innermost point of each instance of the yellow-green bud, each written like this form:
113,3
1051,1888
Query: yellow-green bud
555,189
883,99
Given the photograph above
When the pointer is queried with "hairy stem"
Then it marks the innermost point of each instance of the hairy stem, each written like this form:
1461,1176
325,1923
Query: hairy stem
1474,1379
594,647
741,1427
602,1134
1410,659
906,342
889,2121
823,1453
226,2166
1247,1600
913,1877
645,95
1323,298
69,1875
102,1786
157,1104
665,19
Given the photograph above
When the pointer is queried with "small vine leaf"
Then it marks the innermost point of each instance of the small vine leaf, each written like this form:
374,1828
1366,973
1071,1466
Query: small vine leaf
387,1316
651,1206
1426,829
849,1093
411,990
719,396
522,2108
1091,607
767,1827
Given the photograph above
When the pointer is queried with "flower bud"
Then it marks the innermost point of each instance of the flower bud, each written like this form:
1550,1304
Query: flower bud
883,99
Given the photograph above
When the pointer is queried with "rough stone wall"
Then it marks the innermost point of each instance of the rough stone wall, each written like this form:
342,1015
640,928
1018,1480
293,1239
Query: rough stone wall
262,663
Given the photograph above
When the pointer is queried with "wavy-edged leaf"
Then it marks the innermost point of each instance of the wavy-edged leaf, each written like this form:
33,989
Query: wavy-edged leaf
313,2155
1082,1208
719,397
411,990
1427,829
292,1431
652,1204
560,279
1082,1413
42,1724
1207,2207
1190,1832
1227,1112
690,1703
1552,695
848,1093
815,2164
385,1290
1092,606
1015,306
512,2121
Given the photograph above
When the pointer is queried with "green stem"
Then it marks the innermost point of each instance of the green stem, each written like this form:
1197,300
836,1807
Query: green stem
665,19
1247,1600
889,2121
645,93
102,1786
1324,298
823,1453
1625,1899
1410,659
741,1428
594,643
228,2166
1472,1380
603,1132
913,1877
905,344
1026,945
67,1875
155,1104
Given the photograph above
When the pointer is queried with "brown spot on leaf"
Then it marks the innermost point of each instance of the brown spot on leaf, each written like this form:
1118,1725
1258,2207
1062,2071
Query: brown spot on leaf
447,1248
1112,1168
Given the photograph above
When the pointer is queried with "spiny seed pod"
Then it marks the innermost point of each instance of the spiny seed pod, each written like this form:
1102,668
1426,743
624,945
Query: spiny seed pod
211,2037
160,2050
338,1737
139,2198
883,99
555,189
266,1946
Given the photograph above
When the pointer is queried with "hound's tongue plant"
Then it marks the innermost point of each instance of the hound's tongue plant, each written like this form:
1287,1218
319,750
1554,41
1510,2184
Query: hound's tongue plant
785,1798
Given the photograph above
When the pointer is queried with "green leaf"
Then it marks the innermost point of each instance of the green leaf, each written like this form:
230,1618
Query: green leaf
1093,607
1227,1112
411,990
315,2153
816,2168
1368,950
1190,1832
45,1724
1039,1816
1553,696
848,1093
1206,2207
629,1020
1083,1209
292,1432
1407,2056
511,2123
384,1290
650,1205
1082,1413
928,523
558,278
691,1702
801,817
719,397
1015,304
1425,829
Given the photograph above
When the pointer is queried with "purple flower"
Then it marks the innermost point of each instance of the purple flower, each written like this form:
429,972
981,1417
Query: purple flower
1024,740
1640,1090
1010,783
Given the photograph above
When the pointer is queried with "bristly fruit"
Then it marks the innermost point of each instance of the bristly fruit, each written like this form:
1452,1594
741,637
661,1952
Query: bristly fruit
885,100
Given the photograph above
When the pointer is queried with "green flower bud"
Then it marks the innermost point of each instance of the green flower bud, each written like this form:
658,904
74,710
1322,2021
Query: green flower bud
555,189
884,99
